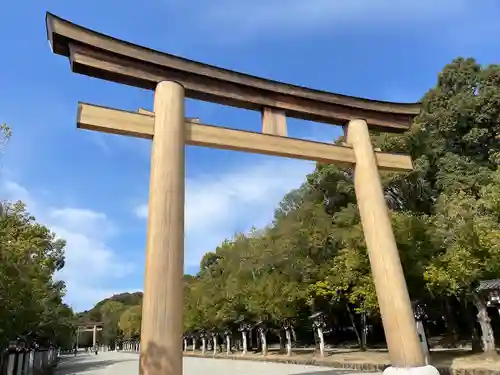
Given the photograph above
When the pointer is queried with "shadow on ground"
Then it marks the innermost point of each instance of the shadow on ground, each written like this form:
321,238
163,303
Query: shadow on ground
77,365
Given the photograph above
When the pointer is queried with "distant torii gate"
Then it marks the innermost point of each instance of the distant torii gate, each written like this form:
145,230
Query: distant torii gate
172,78
93,327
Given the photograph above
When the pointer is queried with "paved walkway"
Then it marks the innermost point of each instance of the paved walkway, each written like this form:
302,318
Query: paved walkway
108,363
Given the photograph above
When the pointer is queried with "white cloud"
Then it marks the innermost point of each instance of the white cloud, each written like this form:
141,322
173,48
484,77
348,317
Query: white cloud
82,220
238,18
141,211
90,262
222,203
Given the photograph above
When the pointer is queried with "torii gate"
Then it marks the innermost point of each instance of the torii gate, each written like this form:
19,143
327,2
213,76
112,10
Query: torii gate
174,78
94,328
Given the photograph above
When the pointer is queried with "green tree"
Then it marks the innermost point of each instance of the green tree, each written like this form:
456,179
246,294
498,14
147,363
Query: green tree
130,322
455,145
30,256
110,313
5,134
444,214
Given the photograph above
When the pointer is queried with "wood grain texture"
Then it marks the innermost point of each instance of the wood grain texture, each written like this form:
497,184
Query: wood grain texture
274,122
104,57
143,111
115,121
162,306
392,293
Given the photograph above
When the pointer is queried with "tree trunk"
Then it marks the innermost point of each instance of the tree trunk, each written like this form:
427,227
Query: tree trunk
321,342
194,345
282,342
259,342
487,335
228,344
364,332
185,345
353,323
288,342
203,345
451,322
244,338
472,324
214,340
476,340
294,336
263,342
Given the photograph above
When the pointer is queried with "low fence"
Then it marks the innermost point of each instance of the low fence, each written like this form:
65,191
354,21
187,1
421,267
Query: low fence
18,361
130,346
100,348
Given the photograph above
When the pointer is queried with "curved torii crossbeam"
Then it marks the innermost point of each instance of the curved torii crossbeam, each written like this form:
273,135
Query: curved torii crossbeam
174,78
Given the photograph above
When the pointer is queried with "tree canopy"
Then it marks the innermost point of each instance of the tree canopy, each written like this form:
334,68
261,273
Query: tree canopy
32,299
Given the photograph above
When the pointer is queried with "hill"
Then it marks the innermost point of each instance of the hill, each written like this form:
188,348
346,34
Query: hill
121,315
95,314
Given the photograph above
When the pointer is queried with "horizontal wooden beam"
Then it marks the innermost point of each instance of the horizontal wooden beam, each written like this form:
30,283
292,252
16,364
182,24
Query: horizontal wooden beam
115,121
143,111
98,55
89,329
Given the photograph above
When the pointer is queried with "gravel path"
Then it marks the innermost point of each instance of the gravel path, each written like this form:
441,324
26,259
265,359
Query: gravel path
108,363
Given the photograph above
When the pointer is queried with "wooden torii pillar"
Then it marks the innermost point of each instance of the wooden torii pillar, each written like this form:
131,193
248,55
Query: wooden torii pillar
172,79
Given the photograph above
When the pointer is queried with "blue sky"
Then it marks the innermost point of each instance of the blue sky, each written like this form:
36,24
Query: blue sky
91,188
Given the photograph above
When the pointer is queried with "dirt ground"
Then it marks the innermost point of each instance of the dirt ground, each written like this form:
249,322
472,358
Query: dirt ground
456,361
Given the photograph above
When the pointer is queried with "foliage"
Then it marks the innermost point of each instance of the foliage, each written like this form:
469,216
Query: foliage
130,322
31,297
5,134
